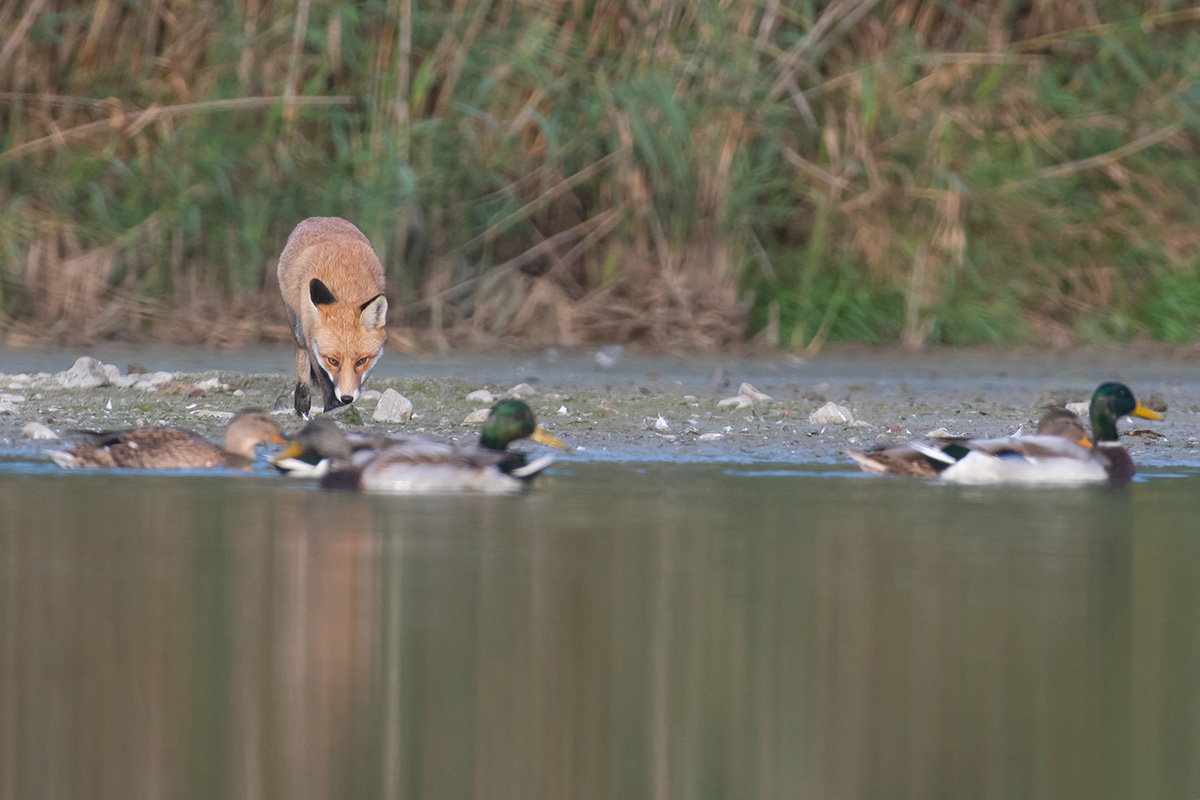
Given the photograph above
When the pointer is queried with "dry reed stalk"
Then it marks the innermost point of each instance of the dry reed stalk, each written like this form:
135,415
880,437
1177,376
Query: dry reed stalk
293,73
18,36
1092,162
529,208
129,123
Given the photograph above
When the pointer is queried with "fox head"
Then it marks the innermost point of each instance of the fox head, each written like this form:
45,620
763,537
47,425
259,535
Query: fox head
345,340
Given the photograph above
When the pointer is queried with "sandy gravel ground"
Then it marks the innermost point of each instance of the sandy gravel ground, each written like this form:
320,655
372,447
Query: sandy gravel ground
616,406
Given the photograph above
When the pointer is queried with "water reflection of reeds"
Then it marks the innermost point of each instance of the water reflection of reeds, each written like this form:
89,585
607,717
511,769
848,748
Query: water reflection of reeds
702,638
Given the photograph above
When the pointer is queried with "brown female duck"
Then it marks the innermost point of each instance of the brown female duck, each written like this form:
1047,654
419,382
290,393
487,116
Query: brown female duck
168,447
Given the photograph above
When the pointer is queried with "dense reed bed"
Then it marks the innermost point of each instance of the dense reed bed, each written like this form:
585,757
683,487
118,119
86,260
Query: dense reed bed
683,174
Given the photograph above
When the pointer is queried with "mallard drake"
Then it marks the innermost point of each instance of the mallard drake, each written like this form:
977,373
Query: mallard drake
1045,457
168,447
404,464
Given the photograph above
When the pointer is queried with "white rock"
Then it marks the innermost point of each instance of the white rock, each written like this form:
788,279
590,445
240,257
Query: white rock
1079,409
746,390
151,381
831,413
212,412
739,401
110,371
9,408
941,433
484,396
521,391
710,437
12,398
477,416
36,430
562,411
366,396
125,381
608,356
87,373
211,384
393,407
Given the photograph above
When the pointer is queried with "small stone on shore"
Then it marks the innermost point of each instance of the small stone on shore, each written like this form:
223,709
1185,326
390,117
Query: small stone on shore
521,391
1079,409
736,402
831,413
36,430
747,390
393,407
482,396
477,416
86,373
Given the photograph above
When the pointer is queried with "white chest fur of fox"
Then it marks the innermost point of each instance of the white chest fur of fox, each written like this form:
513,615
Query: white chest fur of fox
332,283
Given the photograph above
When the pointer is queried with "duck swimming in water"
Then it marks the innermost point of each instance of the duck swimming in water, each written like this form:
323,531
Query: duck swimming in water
1050,457
409,464
167,447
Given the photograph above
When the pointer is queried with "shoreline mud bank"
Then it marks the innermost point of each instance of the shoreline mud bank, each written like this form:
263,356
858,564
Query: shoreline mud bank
624,407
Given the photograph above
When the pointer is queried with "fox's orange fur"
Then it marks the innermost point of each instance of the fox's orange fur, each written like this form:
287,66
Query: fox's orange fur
332,283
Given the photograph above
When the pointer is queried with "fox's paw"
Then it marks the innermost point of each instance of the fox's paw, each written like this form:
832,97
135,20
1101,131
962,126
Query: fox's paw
303,401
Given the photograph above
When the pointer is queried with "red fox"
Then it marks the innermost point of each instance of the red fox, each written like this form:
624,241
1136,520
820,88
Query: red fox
332,283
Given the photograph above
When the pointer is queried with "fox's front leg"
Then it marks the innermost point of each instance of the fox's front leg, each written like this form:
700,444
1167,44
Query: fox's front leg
303,401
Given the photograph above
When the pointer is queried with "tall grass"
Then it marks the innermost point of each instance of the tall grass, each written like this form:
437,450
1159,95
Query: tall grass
679,173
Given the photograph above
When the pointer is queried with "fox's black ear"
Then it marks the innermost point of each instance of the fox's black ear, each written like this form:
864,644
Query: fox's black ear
319,293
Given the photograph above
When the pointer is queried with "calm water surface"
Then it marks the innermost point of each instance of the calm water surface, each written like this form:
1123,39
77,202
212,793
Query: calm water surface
626,631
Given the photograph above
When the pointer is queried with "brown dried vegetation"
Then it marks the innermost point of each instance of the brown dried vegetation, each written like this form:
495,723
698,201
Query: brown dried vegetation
675,175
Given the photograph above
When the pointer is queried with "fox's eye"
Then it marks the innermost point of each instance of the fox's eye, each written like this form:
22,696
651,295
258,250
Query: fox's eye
362,361
333,362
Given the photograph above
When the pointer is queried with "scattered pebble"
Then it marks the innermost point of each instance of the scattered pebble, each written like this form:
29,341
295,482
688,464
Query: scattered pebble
736,402
746,397
151,381
746,390
7,407
1079,409
210,412
521,391
367,395
86,373
831,413
211,384
36,430
710,437
484,396
393,407
477,416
